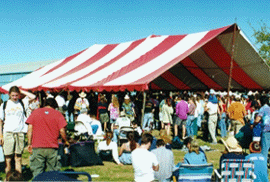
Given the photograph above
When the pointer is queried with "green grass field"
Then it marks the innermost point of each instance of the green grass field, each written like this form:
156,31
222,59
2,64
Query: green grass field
112,172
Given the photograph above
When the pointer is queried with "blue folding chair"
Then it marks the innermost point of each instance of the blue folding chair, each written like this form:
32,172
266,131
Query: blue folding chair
240,170
195,172
60,176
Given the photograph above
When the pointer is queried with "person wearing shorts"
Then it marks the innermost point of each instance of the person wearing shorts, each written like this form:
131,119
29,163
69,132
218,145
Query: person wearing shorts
181,111
167,111
13,127
103,112
114,110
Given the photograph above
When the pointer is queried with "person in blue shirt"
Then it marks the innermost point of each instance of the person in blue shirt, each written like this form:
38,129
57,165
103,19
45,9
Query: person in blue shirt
194,156
264,117
260,162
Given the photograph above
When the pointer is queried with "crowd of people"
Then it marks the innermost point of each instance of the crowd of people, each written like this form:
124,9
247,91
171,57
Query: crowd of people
44,117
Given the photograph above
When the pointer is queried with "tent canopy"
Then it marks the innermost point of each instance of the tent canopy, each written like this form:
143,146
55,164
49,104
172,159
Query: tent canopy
196,61
3,91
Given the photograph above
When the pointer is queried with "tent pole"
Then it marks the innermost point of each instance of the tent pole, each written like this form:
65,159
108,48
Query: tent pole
144,100
231,67
40,99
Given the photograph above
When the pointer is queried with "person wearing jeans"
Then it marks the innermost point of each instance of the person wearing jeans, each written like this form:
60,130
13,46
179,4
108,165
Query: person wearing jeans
264,115
222,124
190,118
148,118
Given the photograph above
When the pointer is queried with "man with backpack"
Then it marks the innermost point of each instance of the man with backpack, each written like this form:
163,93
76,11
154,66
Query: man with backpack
13,128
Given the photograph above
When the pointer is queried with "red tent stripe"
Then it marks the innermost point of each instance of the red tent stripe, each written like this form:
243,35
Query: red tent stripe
64,62
174,81
103,52
155,52
130,48
200,74
209,36
223,61
3,91
153,86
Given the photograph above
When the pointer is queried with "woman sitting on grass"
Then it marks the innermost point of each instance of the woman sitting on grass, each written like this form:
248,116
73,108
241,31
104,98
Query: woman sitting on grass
107,149
194,156
127,148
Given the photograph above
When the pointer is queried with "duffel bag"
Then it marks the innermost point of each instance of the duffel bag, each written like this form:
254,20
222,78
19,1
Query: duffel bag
83,154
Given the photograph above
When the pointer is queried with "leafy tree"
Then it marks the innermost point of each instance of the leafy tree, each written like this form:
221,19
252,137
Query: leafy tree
262,37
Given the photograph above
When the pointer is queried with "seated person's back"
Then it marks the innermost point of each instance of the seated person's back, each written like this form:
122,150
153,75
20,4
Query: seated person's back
108,147
127,148
194,156
260,162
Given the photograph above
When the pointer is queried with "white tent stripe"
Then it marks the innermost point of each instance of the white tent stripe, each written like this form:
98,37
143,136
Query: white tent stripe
69,78
81,58
182,46
34,76
137,52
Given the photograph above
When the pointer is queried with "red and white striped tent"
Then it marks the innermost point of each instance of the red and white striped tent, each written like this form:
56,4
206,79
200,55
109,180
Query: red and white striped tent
196,61
3,91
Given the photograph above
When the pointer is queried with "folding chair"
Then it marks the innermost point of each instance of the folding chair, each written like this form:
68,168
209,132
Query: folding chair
60,176
239,170
77,173
195,173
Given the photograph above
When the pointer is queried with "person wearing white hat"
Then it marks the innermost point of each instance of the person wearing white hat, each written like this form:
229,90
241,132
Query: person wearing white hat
212,91
213,110
81,103
128,108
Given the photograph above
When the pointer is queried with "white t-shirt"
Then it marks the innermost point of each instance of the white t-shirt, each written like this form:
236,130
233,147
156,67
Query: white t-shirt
213,108
143,162
198,109
14,117
86,120
122,121
99,130
60,101
112,146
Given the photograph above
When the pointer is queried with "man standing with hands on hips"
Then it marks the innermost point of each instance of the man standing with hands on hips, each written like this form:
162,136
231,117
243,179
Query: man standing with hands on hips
44,126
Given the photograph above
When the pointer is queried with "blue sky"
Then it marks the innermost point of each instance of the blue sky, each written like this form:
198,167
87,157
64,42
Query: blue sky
35,30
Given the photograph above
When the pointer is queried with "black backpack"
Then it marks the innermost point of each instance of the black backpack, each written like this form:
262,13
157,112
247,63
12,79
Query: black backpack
5,105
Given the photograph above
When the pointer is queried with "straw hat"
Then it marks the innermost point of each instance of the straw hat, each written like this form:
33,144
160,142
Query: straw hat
82,94
232,145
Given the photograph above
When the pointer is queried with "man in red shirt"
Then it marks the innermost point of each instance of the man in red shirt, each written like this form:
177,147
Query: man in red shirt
44,126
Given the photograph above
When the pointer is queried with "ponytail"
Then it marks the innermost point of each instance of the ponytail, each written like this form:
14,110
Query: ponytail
130,136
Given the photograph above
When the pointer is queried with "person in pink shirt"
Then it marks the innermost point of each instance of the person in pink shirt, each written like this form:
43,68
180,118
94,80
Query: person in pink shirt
181,111
114,110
